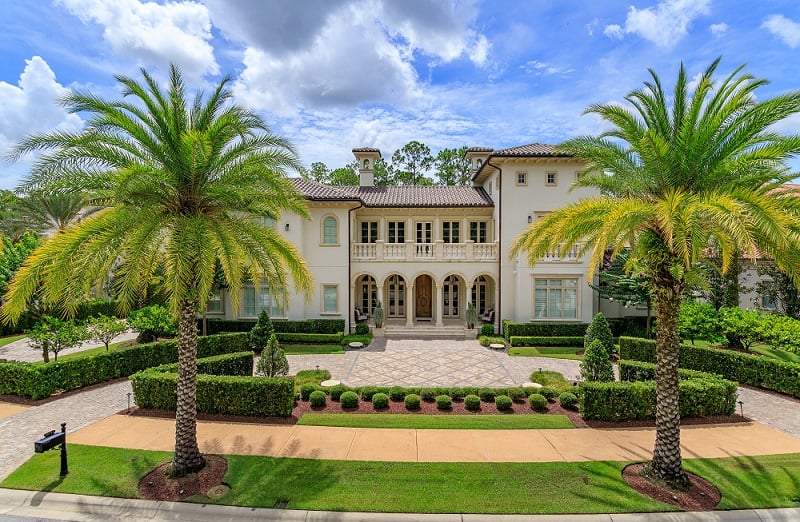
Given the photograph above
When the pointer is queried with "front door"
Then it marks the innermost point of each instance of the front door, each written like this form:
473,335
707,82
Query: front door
423,291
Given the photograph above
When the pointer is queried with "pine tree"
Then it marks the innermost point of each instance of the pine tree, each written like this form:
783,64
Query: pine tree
599,330
596,365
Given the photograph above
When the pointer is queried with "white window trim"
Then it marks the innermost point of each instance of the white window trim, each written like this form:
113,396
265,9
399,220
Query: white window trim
241,314
524,183
221,304
322,242
578,282
555,178
322,311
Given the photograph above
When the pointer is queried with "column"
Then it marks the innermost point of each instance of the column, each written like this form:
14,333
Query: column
438,299
409,305
379,285
353,301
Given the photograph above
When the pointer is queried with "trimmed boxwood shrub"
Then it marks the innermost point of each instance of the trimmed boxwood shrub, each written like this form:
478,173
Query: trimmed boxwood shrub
380,400
397,393
487,394
311,326
487,329
519,340
337,391
318,398
752,370
516,393
472,402
537,402
568,400
307,389
544,329
444,402
486,340
503,402
367,392
39,380
412,401
349,399
362,329
428,394
599,330
547,392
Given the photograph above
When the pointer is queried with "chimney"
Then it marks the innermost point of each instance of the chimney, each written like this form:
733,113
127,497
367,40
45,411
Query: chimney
366,158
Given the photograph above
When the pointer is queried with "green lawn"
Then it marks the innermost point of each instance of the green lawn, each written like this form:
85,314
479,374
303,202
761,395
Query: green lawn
555,352
303,349
454,422
10,339
552,380
763,349
558,487
90,351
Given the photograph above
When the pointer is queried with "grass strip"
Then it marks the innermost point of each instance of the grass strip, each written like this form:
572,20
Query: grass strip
551,487
10,339
446,422
94,351
554,352
307,349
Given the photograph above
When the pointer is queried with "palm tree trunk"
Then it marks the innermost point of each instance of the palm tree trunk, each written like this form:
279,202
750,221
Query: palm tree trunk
187,457
667,463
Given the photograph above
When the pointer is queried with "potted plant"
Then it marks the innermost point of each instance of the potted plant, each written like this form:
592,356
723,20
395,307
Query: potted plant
471,316
377,315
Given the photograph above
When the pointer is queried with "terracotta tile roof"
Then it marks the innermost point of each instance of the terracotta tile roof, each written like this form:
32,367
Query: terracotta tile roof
480,149
531,150
316,191
367,149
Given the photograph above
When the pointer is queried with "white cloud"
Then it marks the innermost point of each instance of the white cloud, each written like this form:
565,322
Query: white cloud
544,69
344,53
718,29
30,107
159,34
665,24
785,29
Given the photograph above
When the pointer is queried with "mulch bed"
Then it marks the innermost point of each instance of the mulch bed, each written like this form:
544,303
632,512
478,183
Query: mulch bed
701,496
207,482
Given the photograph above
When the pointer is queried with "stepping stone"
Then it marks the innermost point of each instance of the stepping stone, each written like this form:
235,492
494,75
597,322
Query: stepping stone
355,345
531,385
330,382
497,346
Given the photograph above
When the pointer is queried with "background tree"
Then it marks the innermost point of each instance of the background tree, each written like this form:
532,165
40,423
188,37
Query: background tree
152,322
345,176
54,335
45,211
686,170
453,168
104,329
384,173
179,182
411,163
13,254
625,285
774,286
318,172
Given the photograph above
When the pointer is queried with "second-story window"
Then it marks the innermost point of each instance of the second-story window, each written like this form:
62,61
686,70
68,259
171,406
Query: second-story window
477,231
397,232
450,232
522,178
369,231
551,179
330,231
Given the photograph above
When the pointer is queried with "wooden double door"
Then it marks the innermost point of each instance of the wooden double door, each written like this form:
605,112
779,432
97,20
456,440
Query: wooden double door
423,297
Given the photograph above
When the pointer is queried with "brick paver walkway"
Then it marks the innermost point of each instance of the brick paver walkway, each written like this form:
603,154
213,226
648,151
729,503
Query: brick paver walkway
20,350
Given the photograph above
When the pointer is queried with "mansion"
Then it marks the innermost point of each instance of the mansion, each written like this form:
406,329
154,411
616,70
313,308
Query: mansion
425,252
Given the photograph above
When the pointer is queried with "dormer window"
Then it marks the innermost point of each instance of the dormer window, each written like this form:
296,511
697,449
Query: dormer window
478,162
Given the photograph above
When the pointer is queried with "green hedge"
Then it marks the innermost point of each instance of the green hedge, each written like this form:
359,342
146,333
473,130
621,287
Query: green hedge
543,329
622,401
39,380
752,370
224,385
518,340
644,371
284,337
308,326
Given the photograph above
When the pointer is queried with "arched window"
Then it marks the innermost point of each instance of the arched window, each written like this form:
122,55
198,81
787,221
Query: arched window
478,162
330,231
366,163
451,298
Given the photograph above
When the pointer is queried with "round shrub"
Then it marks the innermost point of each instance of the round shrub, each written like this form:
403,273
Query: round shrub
362,329
397,393
457,393
444,402
306,390
487,329
472,402
538,402
349,399
568,400
516,394
503,402
380,400
367,392
412,401
337,391
428,394
547,392
318,398
487,394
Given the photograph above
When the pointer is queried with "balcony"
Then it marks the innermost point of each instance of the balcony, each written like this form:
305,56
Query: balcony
438,251
571,256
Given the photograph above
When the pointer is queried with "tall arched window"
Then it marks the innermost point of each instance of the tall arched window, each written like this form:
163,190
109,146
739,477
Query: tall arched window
396,302
451,299
366,163
330,231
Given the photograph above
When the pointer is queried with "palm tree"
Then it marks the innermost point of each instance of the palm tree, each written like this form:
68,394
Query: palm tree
43,212
674,176
179,184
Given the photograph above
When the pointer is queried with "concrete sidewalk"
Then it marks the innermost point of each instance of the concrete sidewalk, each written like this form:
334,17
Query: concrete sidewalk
412,445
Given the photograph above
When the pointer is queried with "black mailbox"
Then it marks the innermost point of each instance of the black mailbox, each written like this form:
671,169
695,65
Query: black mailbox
48,442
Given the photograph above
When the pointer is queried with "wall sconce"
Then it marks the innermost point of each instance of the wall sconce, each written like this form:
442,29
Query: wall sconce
286,227
530,218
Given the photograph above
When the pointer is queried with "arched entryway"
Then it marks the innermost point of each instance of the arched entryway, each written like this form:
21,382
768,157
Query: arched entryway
366,297
423,297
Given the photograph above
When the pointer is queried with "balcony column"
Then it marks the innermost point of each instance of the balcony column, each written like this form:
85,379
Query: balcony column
379,288
410,249
438,299
379,249
438,249
470,249
409,305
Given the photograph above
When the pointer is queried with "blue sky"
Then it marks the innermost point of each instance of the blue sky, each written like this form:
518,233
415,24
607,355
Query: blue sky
332,75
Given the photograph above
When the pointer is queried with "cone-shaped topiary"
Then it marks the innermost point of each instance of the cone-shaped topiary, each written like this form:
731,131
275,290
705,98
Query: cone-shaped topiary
273,361
259,334
599,329
596,365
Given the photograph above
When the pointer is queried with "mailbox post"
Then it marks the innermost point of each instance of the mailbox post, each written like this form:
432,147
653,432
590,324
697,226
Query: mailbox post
52,439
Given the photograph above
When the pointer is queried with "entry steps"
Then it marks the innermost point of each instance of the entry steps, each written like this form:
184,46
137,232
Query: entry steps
429,331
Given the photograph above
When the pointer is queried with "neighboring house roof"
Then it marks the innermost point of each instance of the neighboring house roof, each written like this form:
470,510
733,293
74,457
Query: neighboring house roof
396,197
531,150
